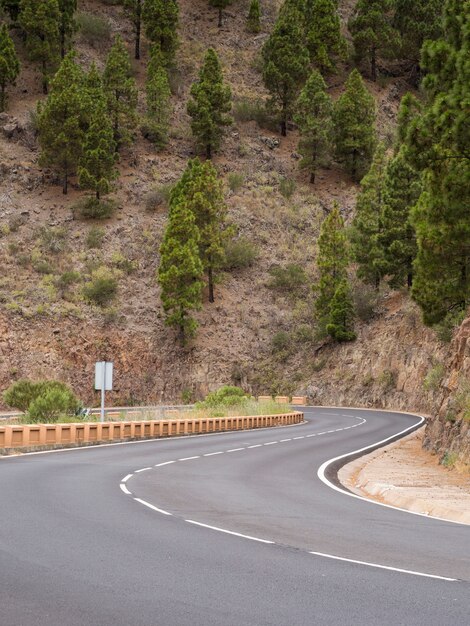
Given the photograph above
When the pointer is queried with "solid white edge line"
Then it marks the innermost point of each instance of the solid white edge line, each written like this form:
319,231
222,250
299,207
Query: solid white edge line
126,478
125,489
150,506
228,532
322,469
387,567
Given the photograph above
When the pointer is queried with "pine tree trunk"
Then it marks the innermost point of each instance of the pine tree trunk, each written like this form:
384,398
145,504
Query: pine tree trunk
2,97
62,42
44,78
98,195
312,177
211,283
209,151
373,64
220,17
65,186
138,22
409,280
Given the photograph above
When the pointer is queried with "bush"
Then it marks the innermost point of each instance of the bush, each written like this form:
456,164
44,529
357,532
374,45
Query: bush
92,208
225,396
121,262
239,253
158,197
94,29
94,238
235,181
65,280
102,287
445,329
43,401
387,379
246,110
52,239
434,377
288,279
287,187
281,341
366,300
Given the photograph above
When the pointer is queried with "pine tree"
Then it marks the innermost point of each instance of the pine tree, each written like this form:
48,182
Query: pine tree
160,18
210,104
12,7
180,271
62,120
313,116
40,23
96,169
397,238
203,193
220,4
254,17
354,121
417,21
285,62
341,317
437,145
372,31
67,24
133,10
158,102
366,226
323,32
121,92
9,64
332,263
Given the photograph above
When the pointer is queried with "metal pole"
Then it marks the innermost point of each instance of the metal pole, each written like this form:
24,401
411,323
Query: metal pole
103,386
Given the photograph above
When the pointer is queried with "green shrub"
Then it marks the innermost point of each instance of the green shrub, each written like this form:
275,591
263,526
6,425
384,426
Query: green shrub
434,377
280,341
102,287
43,401
239,253
121,262
366,300
235,181
387,379
92,208
287,187
288,279
95,236
66,280
445,329
449,459
225,396
94,30
304,333
246,110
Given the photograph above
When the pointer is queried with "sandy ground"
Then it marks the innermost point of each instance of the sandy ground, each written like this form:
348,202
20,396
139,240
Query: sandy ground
405,475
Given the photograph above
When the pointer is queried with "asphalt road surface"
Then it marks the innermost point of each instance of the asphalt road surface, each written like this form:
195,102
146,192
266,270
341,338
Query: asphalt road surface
225,529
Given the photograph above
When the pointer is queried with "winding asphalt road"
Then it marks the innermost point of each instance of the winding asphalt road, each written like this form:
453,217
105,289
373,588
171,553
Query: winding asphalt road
225,529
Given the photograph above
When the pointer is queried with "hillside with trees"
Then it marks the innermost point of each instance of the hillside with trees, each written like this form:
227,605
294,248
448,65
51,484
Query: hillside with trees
272,193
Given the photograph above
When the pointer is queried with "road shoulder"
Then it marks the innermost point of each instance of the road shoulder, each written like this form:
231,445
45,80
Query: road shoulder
404,475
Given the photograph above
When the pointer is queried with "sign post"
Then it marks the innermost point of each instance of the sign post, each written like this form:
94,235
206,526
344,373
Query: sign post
103,380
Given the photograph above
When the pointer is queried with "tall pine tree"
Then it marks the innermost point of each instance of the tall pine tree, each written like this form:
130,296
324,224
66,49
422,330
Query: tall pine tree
180,271
354,127
40,22
96,169
133,10
366,226
417,21
341,316
372,31
323,33
313,116
397,238
62,121
9,64
332,262
67,24
286,62
438,145
121,92
160,18
210,103
158,101
203,193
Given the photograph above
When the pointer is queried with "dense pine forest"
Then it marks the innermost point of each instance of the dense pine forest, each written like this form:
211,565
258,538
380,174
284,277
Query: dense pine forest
232,187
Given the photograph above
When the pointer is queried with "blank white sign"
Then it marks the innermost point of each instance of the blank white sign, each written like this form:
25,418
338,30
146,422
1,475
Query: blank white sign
104,371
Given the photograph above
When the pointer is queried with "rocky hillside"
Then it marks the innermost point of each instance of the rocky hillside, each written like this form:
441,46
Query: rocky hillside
257,333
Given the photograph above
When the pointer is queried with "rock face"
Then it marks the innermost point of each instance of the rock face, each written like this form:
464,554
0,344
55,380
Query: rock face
449,433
